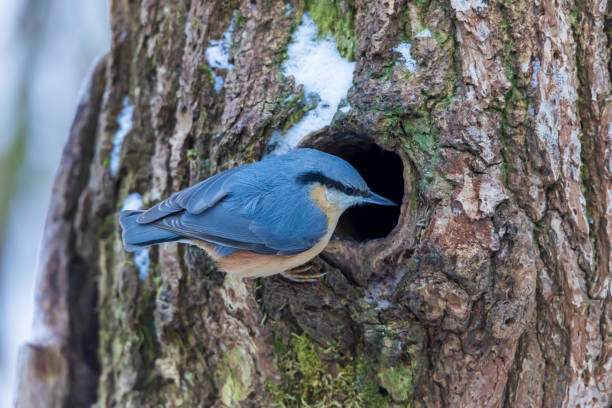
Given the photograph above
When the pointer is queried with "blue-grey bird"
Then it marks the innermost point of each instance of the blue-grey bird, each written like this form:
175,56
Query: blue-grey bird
258,219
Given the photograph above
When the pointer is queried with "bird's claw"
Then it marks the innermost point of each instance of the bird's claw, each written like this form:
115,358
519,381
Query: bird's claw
298,275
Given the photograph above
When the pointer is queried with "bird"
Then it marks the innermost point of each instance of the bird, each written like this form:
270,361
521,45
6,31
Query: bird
258,219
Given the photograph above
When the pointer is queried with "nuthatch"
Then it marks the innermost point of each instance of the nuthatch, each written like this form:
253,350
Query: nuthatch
258,219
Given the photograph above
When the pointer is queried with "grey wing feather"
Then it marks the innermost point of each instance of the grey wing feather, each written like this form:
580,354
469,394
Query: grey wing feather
194,199
209,192
249,207
206,229
295,228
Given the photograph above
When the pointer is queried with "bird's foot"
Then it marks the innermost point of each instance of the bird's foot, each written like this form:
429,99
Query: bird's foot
299,274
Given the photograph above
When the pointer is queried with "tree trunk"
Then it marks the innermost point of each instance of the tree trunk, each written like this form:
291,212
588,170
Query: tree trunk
489,287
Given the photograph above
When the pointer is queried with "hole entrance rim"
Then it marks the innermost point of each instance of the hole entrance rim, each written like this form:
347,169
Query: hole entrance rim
384,171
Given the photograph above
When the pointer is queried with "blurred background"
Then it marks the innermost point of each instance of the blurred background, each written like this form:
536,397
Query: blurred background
46,49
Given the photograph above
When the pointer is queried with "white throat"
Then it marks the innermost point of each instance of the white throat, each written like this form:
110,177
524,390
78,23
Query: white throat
342,200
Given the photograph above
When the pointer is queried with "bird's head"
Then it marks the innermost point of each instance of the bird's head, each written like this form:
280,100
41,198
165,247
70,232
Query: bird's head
343,184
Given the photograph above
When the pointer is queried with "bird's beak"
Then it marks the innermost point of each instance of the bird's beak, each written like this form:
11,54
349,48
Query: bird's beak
378,200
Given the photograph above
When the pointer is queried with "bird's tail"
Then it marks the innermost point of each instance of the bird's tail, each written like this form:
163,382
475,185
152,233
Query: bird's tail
138,236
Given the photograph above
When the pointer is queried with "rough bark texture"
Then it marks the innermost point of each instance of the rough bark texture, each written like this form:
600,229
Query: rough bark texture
494,287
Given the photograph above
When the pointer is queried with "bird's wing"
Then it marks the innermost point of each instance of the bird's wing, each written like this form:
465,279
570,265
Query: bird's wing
194,199
271,223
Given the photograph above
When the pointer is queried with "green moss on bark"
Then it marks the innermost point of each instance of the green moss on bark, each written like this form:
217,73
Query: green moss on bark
233,376
399,381
307,379
338,19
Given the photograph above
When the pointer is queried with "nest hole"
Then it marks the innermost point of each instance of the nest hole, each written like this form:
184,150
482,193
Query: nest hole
383,171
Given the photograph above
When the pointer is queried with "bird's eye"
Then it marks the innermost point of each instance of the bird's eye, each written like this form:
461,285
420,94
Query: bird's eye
348,190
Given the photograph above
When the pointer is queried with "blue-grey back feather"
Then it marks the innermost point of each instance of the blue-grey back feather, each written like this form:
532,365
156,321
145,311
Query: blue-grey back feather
194,199
272,217
137,236
260,207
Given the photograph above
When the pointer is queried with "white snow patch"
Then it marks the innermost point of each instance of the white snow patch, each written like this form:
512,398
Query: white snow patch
531,110
345,106
142,261
141,257
219,82
536,68
423,34
287,9
381,304
125,125
319,67
404,49
217,54
132,202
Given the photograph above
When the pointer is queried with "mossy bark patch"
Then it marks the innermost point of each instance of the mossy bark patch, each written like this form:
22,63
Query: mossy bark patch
336,17
310,376
398,381
233,376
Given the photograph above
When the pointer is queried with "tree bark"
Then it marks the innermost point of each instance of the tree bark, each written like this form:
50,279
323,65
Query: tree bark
490,287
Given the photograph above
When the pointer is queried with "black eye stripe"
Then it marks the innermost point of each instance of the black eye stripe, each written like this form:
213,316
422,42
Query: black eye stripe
317,177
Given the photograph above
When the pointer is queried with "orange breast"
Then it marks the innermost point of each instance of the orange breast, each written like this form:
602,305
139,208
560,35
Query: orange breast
249,264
